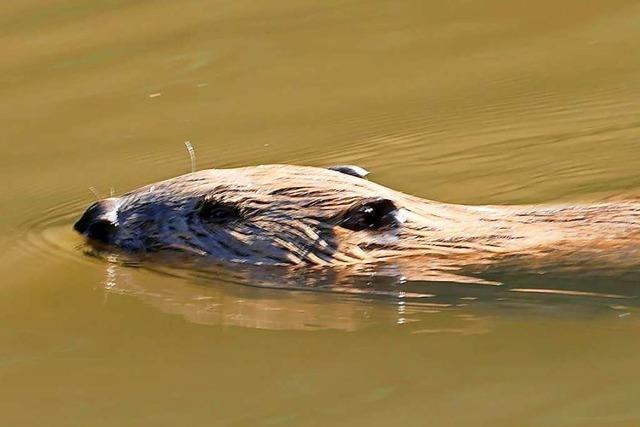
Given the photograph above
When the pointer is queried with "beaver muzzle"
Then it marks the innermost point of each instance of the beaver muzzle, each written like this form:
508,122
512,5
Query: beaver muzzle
99,222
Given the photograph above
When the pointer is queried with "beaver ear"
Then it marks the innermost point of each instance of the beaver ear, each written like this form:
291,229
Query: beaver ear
370,214
352,170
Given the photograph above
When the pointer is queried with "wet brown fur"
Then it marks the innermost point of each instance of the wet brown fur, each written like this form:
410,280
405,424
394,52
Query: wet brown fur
290,216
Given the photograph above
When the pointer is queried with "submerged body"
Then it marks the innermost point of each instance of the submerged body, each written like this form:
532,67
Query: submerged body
297,215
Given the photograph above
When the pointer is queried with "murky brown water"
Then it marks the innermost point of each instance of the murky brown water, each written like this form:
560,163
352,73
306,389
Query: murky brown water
472,102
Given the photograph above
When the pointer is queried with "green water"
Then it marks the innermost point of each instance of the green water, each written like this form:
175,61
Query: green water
469,102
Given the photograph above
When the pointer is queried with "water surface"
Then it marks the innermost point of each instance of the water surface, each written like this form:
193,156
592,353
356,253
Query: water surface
469,102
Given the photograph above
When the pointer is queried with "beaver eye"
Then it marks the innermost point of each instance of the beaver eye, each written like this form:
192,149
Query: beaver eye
370,214
217,212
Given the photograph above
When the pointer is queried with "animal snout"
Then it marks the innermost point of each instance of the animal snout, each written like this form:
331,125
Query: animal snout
99,222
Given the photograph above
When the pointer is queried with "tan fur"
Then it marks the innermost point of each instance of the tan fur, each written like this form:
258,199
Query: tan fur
291,213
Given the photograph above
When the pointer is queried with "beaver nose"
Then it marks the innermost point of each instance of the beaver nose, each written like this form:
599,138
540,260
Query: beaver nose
99,221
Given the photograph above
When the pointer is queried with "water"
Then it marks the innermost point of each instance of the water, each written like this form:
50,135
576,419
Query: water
470,102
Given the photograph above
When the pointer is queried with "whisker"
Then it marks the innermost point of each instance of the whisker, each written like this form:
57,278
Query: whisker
95,193
185,248
192,155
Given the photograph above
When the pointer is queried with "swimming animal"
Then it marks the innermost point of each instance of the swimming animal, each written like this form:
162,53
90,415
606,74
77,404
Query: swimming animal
309,216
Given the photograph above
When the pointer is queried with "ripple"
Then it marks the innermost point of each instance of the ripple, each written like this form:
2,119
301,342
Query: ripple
50,234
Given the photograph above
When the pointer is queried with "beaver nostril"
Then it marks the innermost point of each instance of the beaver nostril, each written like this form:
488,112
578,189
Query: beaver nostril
101,231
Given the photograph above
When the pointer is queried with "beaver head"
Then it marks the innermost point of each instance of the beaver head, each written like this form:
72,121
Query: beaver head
272,214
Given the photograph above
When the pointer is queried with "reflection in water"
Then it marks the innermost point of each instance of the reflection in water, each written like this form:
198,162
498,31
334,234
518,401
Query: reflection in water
278,299
111,276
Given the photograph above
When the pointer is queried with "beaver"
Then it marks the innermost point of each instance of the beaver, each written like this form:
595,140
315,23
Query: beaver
301,216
